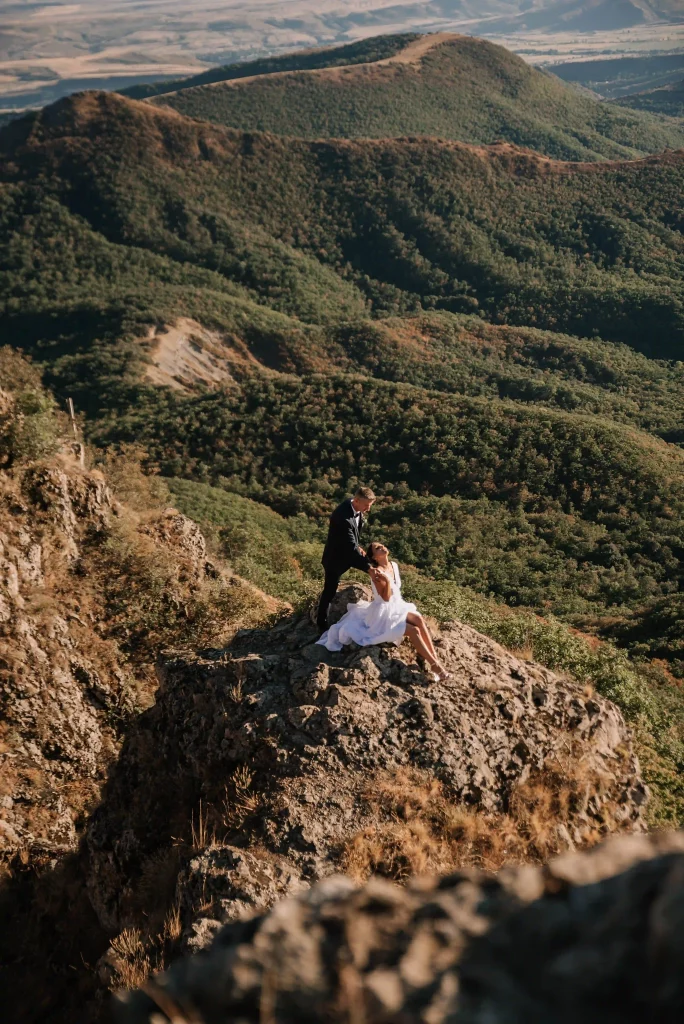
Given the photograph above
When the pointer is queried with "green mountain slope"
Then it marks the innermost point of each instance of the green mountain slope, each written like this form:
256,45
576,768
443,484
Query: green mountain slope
327,230
668,100
366,51
455,87
539,507
347,285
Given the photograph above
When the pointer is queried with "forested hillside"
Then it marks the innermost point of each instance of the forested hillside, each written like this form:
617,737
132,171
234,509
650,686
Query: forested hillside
451,86
667,100
328,230
351,282
366,51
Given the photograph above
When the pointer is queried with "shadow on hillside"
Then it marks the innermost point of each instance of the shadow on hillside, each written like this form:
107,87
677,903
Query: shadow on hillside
145,821
88,353
49,944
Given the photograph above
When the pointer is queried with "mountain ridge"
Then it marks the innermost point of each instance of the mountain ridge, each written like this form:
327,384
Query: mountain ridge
73,115
444,84
412,53
326,178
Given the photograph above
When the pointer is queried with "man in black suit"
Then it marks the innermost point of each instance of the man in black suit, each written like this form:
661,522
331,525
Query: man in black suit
342,549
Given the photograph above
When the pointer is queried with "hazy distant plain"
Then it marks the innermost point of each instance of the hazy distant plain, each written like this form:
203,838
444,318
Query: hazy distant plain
50,49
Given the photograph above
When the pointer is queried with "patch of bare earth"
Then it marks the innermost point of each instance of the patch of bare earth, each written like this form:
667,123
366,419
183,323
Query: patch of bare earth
185,355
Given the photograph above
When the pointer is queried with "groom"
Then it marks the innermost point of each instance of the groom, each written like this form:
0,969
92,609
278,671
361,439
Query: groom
342,550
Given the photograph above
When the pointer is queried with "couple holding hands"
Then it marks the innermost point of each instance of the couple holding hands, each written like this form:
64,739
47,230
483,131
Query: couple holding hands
387,618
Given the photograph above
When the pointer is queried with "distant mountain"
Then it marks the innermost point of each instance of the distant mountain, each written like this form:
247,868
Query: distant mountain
367,51
584,15
455,87
669,100
622,76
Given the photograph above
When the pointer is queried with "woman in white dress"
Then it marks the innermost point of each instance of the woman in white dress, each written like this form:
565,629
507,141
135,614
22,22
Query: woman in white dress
385,619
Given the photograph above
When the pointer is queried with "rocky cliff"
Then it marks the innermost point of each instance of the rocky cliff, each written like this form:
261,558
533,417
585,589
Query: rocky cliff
62,685
292,762
594,938
90,589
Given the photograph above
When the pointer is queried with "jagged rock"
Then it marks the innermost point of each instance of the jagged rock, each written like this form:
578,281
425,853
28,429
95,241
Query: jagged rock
175,530
347,594
66,498
50,691
316,728
229,884
594,938
63,688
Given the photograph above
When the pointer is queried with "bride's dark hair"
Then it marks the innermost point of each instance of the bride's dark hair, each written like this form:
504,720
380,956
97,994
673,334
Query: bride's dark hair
369,552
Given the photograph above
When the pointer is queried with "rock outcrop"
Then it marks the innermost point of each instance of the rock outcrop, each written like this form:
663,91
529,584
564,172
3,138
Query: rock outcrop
285,739
59,682
594,938
66,685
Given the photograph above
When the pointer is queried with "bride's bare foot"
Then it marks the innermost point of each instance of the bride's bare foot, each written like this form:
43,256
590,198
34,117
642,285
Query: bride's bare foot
441,673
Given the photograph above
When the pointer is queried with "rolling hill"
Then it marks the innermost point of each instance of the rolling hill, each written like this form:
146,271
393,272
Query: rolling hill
135,200
455,87
282,288
668,100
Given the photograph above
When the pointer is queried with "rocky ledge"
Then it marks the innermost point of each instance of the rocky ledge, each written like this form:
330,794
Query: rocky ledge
59,683
593,938
287,738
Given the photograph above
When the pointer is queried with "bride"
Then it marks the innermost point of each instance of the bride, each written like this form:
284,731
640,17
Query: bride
385,619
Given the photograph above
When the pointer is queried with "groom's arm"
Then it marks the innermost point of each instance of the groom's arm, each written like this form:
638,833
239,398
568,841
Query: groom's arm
350,547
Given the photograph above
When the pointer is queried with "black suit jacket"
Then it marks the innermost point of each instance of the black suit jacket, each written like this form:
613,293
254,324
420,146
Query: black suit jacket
342,547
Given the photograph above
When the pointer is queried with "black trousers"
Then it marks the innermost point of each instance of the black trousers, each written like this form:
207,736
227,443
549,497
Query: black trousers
333,574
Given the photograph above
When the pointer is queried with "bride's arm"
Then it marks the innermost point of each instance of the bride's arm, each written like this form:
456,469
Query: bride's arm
382,584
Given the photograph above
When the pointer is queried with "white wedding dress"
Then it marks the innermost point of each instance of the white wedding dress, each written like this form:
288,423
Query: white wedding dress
372,622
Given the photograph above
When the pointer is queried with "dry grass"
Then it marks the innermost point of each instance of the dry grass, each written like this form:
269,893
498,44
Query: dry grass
130,960
242,804
420,830
132,479
135,955
173,926
200,830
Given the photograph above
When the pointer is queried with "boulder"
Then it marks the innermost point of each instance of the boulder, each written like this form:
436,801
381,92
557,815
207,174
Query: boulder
347,593
315,730
229,884
595,938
